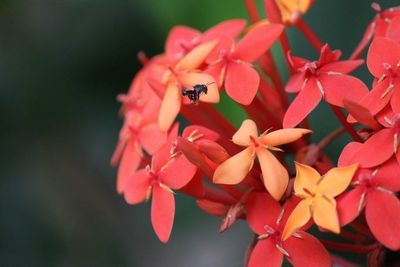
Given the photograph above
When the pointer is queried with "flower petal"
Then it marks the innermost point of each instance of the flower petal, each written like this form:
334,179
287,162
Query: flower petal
340,86
189,80
241,82
382,51
212,207
325,214
137,187
388,175
395,100
336,180
235,169
170,107
231,28
348,205
177,37
178,173
275,175
128,165
383,217
152,138
196,57
295,83
198,130
247,129
261,210
214,151
257,41
348,153
393,31
308,98
299,217
306,177
283,136
162,212
265,254
306,251
343,66
369,156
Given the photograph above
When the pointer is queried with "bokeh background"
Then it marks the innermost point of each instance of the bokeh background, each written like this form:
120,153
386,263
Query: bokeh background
62,63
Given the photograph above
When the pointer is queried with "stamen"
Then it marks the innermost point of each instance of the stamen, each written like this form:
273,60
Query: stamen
163,186
333,73
384,190
374,172
295,234
263,236
321,89
361,204
148,193
275,148
387,91
382,78
282,250
278,221
389,121
395,142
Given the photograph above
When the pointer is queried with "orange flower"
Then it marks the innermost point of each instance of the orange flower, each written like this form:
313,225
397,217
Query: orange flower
275,176
186,75
318,194
291,10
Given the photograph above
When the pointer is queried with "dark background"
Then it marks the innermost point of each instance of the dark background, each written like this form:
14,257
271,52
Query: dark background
62,63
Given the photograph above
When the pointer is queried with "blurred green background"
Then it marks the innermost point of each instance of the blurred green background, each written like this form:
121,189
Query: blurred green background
62,63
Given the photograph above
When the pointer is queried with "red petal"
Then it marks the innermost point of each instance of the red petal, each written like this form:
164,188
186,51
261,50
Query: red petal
340,86
129,163
347,205
361,114
191,152
162,212
369,156
241,82
348,153
152,138
195,187
231,28
137,187
395,100
265,254
382,51
344,66
388,175
200,130
327,55
302,105
393,31
213,151
177,38
212,208
179,173
295,83
306,251
261,210
383,218
257,41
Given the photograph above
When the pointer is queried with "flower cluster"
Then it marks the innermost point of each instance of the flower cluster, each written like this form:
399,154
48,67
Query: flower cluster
244,174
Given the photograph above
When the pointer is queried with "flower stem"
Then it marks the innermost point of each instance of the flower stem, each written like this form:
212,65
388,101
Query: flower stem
349,247
252,10
345,124
309,34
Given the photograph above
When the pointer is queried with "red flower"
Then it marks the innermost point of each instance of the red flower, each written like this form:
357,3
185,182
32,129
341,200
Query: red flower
373,189
166,173
325,78
233,64
267,219
381,146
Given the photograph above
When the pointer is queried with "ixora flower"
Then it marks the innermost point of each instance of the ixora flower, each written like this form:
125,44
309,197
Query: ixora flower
375,190
325,78
167,172
233,62
318,197
275,176
267,218
185,75
291,10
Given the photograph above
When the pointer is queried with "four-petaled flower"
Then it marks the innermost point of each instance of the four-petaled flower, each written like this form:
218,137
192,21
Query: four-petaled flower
275,175
318,197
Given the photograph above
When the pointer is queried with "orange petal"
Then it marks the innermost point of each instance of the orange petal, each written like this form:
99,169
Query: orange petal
170,107
275,176
306,177
283,136
234,169
325,214
298,218
247,129
196,57
336,180
188,80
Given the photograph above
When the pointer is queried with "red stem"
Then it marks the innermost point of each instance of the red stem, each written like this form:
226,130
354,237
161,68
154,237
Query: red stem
346,125
309,34
252,10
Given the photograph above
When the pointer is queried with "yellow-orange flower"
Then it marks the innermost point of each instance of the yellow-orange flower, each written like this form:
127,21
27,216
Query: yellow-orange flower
318,194
275,175
186,75
291,10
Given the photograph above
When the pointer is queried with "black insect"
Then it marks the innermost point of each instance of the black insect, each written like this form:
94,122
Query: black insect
194,94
